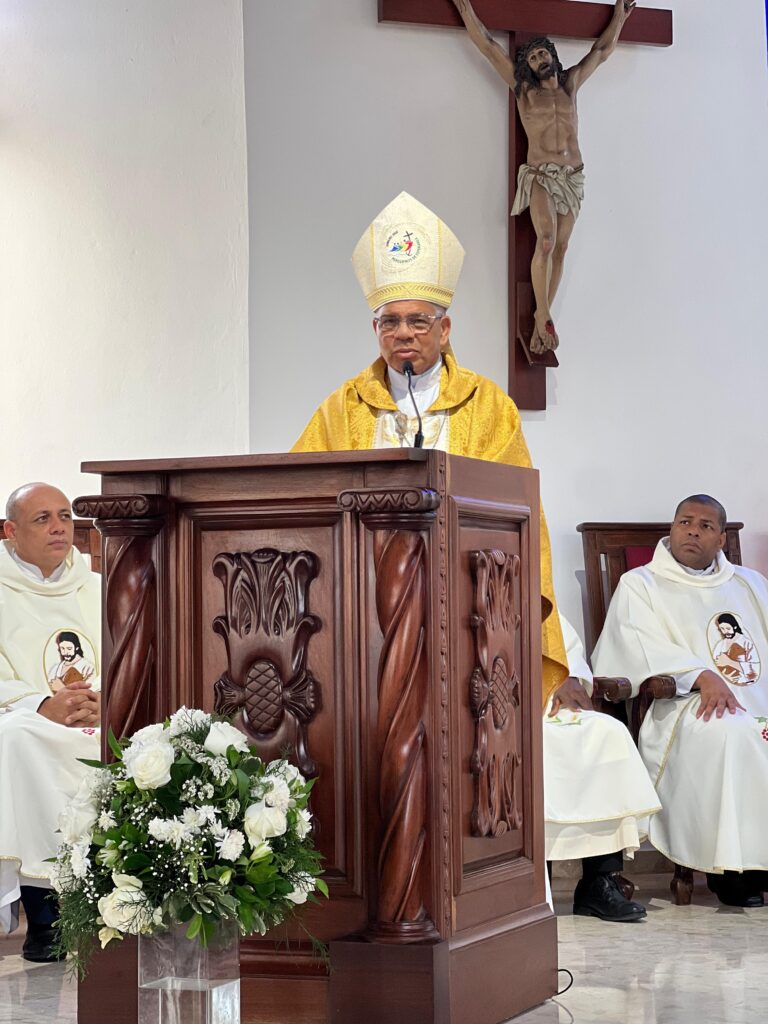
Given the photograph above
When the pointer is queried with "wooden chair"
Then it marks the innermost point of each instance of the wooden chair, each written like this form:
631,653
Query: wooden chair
610,550
87,541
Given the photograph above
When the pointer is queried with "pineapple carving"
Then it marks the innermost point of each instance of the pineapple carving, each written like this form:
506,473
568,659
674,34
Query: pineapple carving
266,628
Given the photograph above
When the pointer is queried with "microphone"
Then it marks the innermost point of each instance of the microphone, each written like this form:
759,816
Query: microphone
418,441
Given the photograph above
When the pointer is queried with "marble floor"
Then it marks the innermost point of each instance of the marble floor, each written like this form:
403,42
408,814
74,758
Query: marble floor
703,964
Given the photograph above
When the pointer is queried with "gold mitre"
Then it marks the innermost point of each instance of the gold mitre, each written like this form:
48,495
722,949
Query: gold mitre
408,253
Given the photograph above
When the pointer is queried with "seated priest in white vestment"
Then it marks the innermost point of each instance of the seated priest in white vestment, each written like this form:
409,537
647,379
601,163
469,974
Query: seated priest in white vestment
692,615
50,624
597,793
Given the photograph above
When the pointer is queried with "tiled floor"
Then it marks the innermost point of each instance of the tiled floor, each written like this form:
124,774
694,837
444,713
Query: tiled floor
703,964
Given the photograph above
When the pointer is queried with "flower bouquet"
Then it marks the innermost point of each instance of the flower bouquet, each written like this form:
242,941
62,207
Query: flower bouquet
188,826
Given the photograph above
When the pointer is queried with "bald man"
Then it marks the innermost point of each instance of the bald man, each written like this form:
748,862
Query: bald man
46,592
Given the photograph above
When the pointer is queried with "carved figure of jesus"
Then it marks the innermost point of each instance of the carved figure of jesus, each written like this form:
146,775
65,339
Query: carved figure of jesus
551,182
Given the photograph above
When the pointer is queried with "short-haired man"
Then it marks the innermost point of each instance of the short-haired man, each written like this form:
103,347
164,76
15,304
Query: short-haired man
47,595
693,615
408,264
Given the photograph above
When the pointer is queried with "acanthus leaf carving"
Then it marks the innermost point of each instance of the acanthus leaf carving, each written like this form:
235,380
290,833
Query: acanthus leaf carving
494,695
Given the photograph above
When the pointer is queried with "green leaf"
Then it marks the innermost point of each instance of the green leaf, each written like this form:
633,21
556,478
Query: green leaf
136,862
195,926
243,783
114,745
90,763
321,887
245,914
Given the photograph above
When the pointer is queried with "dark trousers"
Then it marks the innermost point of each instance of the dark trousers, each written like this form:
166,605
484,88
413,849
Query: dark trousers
605,864
40,906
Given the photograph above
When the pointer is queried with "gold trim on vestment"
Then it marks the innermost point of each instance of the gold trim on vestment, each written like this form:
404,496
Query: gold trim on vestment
597,821
26,874
673,735
410,290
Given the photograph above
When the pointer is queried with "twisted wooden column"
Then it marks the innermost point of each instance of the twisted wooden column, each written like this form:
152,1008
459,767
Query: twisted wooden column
397,519
129,525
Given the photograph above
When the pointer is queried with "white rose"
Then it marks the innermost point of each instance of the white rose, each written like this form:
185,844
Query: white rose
149,765
222,735
149,734
126,909
263,822
107,934
304,886
76,821
303,824
292,774
279,795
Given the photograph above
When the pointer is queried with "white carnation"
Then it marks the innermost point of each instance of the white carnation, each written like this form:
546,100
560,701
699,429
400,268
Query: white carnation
279,795
303,823
263,822
231,846
158,829
79,861
149,764
221,736
106,821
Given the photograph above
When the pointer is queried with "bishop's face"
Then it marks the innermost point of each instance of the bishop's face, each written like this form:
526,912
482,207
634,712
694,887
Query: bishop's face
405,342
695,536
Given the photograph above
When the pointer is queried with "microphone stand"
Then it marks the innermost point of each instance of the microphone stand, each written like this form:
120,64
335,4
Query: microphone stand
418,441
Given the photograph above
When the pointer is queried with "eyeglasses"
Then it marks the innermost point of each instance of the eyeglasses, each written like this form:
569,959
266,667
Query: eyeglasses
418,323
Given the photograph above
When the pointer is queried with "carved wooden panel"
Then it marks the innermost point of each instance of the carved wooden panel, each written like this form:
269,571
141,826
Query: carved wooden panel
266,628
495,696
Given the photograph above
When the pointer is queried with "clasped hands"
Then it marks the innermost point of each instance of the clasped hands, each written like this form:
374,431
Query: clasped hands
76,705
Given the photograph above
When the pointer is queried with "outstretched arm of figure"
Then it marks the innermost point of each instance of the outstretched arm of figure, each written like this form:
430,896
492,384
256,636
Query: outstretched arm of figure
603,47
488,46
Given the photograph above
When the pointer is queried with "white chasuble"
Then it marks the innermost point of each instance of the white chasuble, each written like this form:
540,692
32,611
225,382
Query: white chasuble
597,793
712,777
47,629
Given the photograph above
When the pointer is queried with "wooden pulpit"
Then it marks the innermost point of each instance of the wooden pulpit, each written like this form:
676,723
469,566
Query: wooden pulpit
377,615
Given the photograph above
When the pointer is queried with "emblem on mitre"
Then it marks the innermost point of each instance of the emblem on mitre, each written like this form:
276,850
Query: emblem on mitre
408,253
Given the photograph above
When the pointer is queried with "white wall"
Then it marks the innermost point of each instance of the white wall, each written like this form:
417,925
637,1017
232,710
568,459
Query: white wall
662,385
123,234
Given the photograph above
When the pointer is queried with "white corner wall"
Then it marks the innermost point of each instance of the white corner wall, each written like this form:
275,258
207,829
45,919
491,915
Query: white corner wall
662,385
123,234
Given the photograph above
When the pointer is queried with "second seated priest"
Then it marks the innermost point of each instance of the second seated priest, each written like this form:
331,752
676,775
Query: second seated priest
408,264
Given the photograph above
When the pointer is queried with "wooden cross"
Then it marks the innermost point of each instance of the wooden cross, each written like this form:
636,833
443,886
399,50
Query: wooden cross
523,20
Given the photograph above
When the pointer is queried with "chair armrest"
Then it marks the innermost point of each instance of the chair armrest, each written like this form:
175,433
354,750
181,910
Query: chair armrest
661,687
611,689
651,689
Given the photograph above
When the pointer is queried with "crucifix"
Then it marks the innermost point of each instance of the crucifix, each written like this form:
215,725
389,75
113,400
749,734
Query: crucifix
524,20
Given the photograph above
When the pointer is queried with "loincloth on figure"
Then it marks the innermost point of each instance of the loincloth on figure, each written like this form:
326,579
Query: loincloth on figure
563,183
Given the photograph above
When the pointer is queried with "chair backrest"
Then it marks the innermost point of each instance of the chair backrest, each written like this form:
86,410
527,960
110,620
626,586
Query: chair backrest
87,541
611,549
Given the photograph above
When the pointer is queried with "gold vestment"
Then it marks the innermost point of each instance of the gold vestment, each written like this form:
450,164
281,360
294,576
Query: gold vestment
485,424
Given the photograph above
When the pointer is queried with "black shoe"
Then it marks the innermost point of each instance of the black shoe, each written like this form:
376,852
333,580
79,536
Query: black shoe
40,945
602,897
736,890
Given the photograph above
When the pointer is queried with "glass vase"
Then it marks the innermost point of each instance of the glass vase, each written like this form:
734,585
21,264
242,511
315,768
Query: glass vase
182,982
